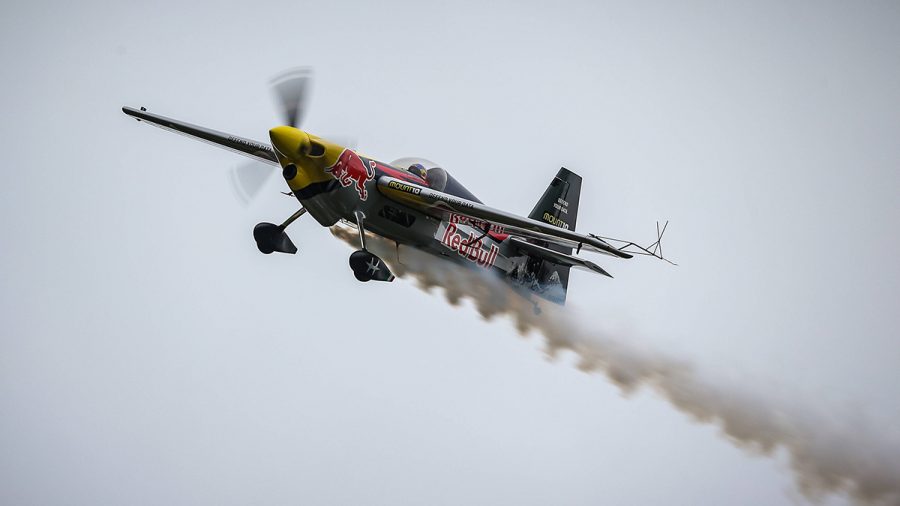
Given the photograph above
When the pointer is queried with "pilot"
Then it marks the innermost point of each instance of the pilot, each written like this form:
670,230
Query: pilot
418,169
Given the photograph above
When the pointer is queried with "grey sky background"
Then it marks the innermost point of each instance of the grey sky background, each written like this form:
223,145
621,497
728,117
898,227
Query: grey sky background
149,354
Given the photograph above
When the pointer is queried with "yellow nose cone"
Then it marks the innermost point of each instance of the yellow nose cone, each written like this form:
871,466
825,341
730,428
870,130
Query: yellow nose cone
289,142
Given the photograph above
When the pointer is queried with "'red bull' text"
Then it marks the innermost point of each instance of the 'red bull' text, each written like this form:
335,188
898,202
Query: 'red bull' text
471,248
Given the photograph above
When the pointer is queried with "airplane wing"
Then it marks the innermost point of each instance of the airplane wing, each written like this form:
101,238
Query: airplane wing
442,205
252,149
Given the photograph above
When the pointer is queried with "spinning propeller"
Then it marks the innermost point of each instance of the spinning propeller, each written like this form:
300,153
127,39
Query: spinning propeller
291,90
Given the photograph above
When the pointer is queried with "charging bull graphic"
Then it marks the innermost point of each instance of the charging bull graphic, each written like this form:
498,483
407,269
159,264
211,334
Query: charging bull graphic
350,169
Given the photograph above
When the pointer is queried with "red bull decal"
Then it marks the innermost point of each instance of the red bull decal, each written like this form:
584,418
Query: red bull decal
473,222
470,248
351,170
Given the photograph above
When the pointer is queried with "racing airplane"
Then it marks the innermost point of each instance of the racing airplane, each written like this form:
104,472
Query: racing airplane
414,203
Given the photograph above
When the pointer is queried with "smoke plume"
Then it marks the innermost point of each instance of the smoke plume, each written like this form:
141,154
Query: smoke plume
828,454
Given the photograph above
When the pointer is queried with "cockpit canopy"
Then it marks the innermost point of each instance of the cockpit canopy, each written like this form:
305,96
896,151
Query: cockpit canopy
436,177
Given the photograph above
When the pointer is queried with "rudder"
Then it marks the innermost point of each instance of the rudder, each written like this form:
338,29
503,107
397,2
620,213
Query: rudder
558,206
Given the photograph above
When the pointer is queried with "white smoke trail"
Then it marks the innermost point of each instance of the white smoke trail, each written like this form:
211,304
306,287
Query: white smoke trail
828,455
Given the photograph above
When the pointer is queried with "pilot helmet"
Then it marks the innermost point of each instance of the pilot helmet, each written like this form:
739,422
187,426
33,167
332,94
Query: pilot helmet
418,169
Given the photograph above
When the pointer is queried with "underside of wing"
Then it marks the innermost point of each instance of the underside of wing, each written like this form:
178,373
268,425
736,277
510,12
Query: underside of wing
442,205
247,147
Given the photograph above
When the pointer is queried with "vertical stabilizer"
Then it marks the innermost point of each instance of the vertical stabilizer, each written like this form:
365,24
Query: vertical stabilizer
558,206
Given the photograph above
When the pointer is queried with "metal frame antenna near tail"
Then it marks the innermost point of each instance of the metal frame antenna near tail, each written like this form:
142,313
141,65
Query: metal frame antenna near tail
652,250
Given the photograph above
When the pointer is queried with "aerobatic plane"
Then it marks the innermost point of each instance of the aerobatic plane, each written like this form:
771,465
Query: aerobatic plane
414,204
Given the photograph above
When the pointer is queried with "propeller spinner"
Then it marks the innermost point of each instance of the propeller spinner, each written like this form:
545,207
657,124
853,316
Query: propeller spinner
291,90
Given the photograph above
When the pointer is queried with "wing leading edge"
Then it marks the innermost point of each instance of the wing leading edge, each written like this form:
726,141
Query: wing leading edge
247,147
441,205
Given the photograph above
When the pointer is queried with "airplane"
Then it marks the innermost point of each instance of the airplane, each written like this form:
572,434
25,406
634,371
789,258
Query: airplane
415,204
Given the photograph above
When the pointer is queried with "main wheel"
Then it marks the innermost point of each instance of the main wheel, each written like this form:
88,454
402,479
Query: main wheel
368,267
360,262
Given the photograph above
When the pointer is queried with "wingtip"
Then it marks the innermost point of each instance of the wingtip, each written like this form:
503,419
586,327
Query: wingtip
134,113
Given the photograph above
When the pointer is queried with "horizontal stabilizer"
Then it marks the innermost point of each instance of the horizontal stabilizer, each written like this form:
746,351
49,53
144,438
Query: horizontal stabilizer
557,257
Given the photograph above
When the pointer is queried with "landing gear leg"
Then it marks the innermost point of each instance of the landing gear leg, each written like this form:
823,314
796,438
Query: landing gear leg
270,237
365,265
360,226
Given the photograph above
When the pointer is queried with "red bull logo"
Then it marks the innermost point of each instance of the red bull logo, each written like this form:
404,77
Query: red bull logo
479,224
471,248
351,170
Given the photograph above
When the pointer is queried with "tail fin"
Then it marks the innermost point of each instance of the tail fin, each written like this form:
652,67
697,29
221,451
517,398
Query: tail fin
557,206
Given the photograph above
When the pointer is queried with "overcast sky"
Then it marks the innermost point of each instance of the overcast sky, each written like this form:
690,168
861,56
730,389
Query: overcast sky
150,355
